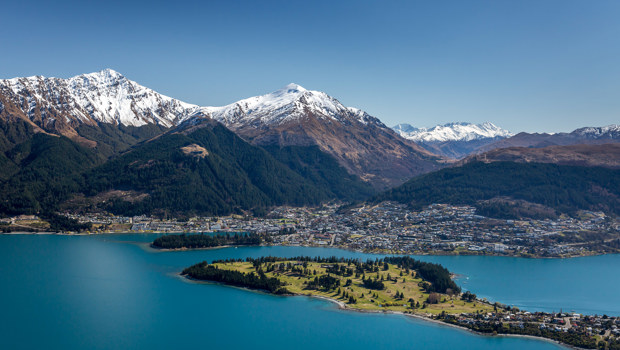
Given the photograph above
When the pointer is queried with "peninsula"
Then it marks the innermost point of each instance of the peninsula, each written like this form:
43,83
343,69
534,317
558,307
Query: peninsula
407,286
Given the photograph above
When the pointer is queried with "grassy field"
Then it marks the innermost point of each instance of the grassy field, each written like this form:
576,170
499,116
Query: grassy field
400,282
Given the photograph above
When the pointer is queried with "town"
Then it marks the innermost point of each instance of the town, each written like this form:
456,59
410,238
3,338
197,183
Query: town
387,227
581,331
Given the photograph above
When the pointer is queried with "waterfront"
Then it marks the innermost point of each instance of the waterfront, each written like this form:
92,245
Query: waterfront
112,291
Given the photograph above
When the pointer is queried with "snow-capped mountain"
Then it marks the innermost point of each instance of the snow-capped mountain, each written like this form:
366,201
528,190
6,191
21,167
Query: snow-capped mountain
289,104
291,116
603,132
452,132
455,140
105,96
295,116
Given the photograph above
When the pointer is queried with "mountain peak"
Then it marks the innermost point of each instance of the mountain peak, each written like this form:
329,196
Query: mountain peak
104,76
108,72
292,88
290,103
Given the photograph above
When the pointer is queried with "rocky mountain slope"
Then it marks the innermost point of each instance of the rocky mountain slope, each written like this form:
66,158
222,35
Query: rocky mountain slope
294,116
61,106
453,140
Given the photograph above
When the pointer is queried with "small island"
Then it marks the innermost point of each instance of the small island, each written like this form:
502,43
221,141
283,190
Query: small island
407,286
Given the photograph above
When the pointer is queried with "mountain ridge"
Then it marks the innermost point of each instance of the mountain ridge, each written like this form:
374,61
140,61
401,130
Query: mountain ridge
291,116
295,116
605,155
455,131
453,140
585,135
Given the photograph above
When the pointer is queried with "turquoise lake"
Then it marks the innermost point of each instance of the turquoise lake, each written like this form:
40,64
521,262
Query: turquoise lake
113,292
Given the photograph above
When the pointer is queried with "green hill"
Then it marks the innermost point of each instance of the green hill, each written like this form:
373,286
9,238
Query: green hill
203,168
500,189
216,173
45,170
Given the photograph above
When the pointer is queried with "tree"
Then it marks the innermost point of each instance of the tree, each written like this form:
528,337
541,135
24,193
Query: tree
450,292
433,298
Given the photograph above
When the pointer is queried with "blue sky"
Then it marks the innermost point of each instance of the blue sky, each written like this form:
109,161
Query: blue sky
537,65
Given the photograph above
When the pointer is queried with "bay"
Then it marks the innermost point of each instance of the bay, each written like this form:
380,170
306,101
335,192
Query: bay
114,292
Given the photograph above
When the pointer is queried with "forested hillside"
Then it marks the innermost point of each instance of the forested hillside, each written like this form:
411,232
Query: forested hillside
564,189
200,168
323,170
42,172
219,174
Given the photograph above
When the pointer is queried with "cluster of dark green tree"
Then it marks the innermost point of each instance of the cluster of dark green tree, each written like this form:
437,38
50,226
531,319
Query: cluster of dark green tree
345,295
565,189
373,283
61,223
324,282
340,270
205,272
437,275
468,296
205,240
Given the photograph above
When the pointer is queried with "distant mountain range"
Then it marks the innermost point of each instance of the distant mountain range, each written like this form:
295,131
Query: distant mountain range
452,132
453,140
459,140
292,116
102,141
587,135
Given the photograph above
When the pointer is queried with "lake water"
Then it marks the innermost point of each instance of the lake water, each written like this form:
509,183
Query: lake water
113,292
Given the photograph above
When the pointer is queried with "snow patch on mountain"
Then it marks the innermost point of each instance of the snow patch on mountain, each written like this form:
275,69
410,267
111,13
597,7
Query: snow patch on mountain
290,103
452,132
610,131
105,96
109,97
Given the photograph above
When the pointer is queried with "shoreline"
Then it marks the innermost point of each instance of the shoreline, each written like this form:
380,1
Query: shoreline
190,249
399,253
343,306
306,246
